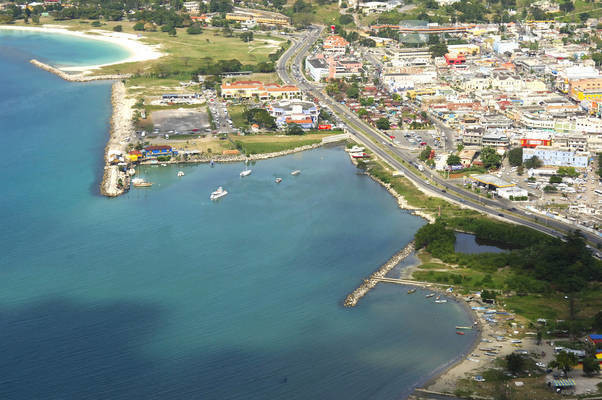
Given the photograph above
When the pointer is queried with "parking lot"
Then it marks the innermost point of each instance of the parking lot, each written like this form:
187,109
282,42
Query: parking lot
180,121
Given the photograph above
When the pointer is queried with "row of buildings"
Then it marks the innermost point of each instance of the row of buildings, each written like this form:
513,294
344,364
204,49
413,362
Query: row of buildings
525,88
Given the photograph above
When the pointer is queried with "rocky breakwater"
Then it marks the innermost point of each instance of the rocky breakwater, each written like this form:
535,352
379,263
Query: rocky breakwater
115,181
369,283
264,156
76,77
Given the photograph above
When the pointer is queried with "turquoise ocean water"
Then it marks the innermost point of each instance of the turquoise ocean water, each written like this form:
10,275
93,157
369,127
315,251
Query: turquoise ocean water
162,294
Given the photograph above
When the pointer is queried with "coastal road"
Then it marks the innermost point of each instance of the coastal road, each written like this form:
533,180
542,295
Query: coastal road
399,159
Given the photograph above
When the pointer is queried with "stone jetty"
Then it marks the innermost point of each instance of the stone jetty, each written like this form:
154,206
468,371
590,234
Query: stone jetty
76,77
352,299
114,181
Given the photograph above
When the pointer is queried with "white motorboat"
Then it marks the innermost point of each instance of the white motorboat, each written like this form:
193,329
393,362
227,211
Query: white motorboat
180,173
278,180
440,301
355,149
296,172
246,172
220,192
139,182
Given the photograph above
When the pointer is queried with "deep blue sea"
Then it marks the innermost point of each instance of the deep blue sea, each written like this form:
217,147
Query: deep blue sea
162,294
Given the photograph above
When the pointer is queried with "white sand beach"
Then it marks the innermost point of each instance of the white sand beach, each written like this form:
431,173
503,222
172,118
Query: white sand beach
137,50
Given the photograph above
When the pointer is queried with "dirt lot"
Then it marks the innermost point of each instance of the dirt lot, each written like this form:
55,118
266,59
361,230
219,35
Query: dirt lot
182,120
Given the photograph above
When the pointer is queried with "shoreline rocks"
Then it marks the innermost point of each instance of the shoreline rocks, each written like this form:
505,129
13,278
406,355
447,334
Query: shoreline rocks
115,182
369,283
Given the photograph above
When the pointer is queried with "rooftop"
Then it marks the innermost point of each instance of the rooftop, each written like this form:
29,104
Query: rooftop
492,180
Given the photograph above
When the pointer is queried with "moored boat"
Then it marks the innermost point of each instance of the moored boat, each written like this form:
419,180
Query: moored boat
296,172
459,333
246,172
278,180
220,192
411,291
355,149
464,327
139,182
440,301
430,295
359,155
180,173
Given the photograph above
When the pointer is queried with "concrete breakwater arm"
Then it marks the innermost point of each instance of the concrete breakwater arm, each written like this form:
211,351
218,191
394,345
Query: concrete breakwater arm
369,283
114,181
76,77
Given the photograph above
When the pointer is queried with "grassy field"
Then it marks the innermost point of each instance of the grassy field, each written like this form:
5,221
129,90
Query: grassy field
270,143
236,115
326,14
194,142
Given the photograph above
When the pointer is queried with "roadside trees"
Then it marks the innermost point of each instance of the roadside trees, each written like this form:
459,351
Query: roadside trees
453,159
425,154
383,124
490,157
564,361
515,156
533,162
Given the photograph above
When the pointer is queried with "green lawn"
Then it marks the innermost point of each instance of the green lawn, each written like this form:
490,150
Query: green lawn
236,115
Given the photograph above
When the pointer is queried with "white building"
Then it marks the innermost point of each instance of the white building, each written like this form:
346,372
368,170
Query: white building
514,191
555,157
317,68
503,46
193,7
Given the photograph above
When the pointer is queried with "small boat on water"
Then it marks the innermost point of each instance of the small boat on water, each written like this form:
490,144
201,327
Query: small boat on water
278,180
211,163
438,297
132,171
459,333
246,172
164,165
180,173
139,182
355,149
430,295
220,192
440,301
411,291
296,172
464,327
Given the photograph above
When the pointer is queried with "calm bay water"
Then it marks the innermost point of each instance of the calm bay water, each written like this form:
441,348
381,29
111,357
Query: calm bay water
162,294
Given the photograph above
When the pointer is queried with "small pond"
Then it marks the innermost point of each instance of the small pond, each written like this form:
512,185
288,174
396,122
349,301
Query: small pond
469,244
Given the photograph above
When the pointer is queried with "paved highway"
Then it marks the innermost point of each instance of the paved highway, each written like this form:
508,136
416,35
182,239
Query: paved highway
366,134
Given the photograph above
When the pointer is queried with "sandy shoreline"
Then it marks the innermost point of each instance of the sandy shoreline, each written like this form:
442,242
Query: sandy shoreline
137,50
